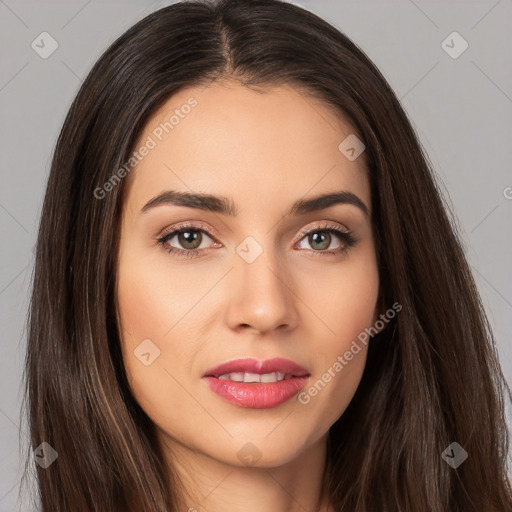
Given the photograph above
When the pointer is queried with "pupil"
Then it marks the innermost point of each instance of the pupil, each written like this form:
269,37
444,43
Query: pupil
323,237
188,237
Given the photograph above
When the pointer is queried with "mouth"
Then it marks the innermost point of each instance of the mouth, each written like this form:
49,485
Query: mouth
257,384
251,370
248,377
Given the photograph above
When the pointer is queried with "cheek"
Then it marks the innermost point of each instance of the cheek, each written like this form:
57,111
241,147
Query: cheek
143,313
343,298
153,296
155,303
141,308
345,305
353,306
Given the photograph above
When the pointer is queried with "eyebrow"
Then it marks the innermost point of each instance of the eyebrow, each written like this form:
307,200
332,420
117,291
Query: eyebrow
222,204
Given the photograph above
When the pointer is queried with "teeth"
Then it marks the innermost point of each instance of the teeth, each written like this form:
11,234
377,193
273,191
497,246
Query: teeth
272,377
237,377
254,377
251,377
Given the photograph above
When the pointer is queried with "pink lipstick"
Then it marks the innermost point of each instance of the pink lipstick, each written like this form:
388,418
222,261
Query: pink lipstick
257,384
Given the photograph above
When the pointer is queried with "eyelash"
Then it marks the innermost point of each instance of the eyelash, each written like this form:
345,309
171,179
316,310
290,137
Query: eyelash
346,236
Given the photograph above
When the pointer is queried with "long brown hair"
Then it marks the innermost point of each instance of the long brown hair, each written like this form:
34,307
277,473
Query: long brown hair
432,376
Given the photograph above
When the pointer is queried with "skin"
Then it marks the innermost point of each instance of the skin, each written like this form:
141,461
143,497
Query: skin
264,151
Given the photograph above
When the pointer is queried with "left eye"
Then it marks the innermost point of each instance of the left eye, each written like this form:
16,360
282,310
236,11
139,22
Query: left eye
321,238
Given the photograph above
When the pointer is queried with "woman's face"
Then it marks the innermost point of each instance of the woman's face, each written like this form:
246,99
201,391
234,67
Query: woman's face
256,285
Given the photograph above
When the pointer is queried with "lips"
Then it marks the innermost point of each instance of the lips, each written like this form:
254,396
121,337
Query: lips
249,365
257,384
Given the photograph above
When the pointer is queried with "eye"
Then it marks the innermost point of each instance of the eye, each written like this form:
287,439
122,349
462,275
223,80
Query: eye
320,238
188,236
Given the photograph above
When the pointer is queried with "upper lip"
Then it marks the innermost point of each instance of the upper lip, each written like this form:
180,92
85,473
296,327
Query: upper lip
251,365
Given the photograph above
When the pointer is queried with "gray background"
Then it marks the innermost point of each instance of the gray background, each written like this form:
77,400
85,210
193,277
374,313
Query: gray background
461,109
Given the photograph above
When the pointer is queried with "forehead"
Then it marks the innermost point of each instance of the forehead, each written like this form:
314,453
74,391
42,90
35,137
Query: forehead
233,141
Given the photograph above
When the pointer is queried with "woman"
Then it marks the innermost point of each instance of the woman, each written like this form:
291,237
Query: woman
248,293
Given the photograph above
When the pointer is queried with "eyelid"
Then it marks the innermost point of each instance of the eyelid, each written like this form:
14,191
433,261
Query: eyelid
185,225
326,224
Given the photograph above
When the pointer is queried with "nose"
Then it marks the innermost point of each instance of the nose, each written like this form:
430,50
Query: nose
261,295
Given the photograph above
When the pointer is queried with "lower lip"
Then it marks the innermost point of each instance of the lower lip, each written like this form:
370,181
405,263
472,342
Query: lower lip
258,395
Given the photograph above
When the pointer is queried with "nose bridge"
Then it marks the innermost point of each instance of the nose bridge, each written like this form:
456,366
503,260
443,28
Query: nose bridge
262,296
